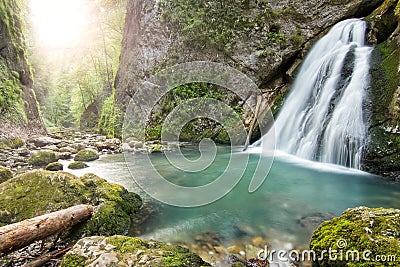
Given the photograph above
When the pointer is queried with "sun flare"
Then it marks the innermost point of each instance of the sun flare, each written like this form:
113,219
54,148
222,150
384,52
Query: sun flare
60,23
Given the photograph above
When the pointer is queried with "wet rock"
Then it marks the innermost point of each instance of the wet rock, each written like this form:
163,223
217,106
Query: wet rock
5,174
128,251
44,141
312,221
76,165
65,155
43,157
86,155
54,166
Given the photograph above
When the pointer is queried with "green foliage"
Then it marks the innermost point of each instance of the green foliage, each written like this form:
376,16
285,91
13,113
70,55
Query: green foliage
277,37
111,117
86,155
76,165
297,37
10,88
5,174
69,82
216,23
43,157
186,92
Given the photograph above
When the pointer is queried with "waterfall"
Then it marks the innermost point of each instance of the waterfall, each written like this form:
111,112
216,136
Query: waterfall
322,118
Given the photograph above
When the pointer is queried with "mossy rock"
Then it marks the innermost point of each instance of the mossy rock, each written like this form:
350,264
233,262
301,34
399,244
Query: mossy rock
128,251
360,229
12,143
76,165
43,158
38,192
86,155
5,174
54,166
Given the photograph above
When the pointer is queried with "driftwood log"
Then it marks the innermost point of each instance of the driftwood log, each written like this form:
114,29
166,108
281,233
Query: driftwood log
21,234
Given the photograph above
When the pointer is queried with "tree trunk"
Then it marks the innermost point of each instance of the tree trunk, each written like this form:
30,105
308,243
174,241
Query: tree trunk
18,235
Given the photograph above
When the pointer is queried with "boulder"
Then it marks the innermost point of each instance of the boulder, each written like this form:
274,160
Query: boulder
38,192
44,141
54,166
128,251
371,230
43,157
86,155
76,165
5,174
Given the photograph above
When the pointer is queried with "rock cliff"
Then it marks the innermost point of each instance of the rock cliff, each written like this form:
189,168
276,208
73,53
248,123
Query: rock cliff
19,112
263,39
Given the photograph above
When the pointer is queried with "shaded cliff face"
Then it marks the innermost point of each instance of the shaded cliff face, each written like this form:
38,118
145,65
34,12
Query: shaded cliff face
263,39
260,38
383,153
19,112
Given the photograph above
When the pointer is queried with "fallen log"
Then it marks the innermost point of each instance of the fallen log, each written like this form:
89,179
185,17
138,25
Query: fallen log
18,235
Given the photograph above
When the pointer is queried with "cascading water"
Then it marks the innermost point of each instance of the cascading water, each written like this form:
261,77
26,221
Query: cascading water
322,119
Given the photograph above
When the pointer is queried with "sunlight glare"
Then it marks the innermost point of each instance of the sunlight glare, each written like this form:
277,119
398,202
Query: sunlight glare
60,23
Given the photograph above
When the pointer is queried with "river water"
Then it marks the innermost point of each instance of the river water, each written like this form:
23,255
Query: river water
282,211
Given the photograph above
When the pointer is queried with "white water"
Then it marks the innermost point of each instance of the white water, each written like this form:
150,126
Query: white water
322,118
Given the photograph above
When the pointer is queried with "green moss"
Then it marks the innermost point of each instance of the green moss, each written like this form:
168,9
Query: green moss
54,166
38,192
86,155
73,261
76,165
376,230
217,24
5,174
12,143
111,118
130,251
43,157
171,255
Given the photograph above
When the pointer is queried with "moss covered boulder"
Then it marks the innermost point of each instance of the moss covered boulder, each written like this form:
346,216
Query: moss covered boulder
43,157
86,155
39,192
54,166
372,234
5,174
76,165
128,251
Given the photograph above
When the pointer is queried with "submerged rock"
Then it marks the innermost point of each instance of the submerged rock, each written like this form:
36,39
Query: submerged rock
128,251
38,192
375,230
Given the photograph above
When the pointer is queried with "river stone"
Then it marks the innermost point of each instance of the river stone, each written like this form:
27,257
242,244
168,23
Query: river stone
45,141
43,157
128,251
358,229
5,174
86,155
